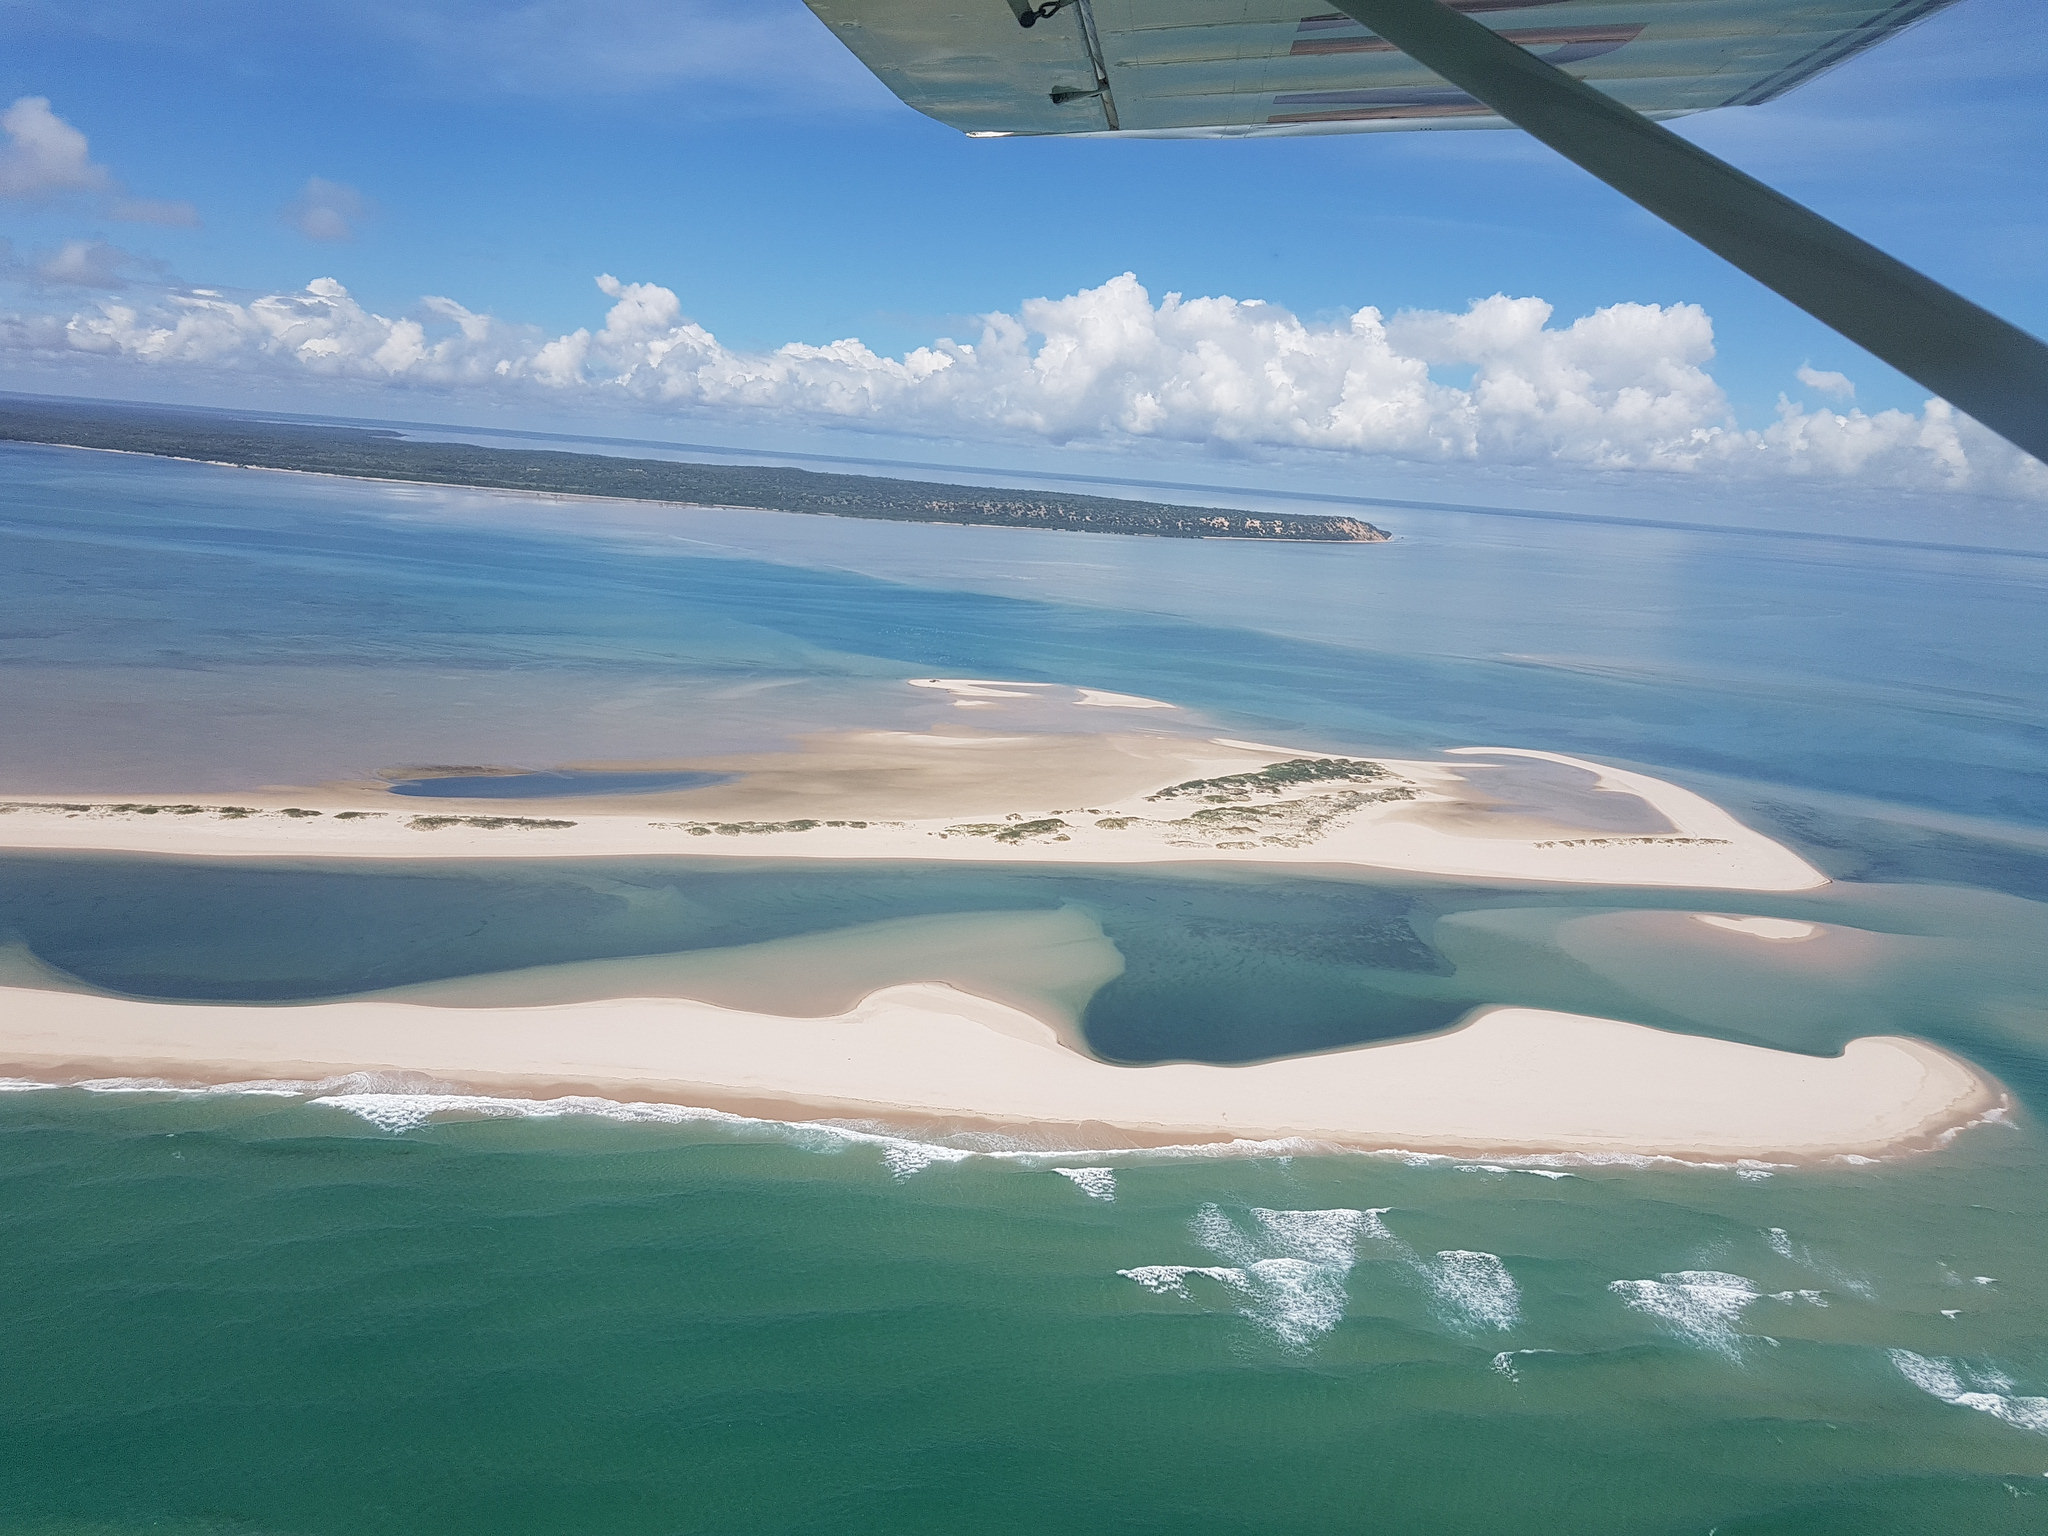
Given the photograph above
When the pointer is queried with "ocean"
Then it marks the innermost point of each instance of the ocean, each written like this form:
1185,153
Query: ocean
360,1308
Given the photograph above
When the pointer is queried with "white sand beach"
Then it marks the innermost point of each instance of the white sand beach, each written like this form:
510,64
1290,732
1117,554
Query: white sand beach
1121,796
929,1057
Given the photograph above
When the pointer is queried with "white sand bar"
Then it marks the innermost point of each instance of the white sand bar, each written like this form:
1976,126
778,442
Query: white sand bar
1513,1080
990,797
1772,930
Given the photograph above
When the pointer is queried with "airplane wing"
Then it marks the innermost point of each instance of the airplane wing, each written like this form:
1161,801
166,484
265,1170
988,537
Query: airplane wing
1224,68
1589,78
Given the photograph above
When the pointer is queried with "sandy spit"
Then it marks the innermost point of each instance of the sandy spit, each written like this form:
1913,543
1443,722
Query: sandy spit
965,796
1509,1081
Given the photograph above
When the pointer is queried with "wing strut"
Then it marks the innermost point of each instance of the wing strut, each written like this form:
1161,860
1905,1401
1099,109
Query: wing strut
1967,355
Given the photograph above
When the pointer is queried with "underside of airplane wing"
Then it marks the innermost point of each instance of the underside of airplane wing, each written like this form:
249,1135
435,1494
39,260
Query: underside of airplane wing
1589,78
1218,68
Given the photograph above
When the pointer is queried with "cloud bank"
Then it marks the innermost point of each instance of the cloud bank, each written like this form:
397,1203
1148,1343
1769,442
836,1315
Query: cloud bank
1623,388
78,264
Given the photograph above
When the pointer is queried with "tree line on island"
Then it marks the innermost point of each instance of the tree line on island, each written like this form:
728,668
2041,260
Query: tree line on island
374,453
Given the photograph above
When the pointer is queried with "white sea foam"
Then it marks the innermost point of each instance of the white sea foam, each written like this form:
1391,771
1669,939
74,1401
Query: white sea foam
1541,1173
1811,1259
447,1099
908,1157
1504,1362
398,1112
1017,1149
1811,1298
1296,1299
1475,1289
1172,1279
1095,1183
1293,1266
1288,1267
1702,1306
1317,1237
1469,1291
261,1088
1558,1164
1961,1386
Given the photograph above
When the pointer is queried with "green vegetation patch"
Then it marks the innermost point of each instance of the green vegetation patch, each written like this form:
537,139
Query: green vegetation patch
1012,831
1275,777
750,828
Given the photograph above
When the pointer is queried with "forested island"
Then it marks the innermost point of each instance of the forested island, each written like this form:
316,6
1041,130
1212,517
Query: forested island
383,454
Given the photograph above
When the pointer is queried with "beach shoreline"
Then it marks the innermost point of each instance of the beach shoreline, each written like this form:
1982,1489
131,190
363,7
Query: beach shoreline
929,1060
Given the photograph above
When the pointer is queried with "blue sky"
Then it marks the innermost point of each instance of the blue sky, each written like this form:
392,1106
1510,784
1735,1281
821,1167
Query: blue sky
504,155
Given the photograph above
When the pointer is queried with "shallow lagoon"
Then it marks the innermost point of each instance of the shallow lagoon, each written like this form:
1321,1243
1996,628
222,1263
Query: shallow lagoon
350,1315
1213,964
548,784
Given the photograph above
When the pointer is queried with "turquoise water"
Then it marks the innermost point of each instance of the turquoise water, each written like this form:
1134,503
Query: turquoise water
337,1311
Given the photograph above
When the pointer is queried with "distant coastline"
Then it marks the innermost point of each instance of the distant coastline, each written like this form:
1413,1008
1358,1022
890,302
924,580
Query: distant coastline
380,454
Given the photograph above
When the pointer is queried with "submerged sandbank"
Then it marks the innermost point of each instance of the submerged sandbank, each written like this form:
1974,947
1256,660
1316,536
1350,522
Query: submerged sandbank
1123,797
1772,930
929,1057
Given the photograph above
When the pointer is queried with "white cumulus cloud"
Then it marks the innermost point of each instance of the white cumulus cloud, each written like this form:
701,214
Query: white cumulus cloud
1826,381
43,157
45,154
1626,387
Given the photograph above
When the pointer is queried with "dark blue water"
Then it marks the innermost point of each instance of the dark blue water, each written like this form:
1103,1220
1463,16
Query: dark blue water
550,785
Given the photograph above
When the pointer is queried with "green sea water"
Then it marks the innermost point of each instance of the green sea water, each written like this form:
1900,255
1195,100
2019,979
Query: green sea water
367,1307
267,1315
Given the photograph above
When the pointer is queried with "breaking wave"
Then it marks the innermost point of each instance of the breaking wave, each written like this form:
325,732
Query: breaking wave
1701,1306
1287,1269
1095,1183
1785,1247
400,1102
400,1112
1475,1287
1172,1279
1961,1386
1468,1291
1504,1362
1290,1269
